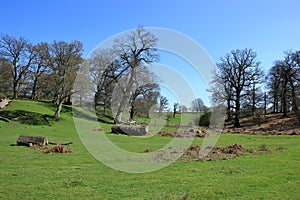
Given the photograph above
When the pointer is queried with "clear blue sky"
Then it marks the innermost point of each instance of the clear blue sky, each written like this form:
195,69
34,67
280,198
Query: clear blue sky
269,27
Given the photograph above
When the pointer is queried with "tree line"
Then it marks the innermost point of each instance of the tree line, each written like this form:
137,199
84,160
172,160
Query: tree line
122,82
119,76
241,84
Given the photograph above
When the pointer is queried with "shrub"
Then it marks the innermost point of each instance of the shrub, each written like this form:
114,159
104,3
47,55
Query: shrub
204,119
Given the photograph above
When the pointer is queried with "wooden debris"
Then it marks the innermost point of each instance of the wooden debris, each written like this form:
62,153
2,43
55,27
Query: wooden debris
55,143
4,102
25,140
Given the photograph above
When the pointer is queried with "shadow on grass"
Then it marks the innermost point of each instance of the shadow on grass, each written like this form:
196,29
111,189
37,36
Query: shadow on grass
104,118
67,109
26,117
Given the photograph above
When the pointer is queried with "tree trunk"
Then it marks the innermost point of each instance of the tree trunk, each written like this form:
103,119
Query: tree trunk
237,113
253,100
118,118
121,108
68,101
265,103
131,113
275,103
125,97
15,90
57,112
294,98
229,117
284,98
33,94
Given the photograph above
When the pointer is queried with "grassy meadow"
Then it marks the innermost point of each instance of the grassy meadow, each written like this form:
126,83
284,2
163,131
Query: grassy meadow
28,173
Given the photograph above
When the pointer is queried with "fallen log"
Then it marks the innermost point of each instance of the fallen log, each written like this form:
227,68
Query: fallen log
25,140
130,130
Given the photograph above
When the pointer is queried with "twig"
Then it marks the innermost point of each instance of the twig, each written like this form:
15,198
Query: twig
55,143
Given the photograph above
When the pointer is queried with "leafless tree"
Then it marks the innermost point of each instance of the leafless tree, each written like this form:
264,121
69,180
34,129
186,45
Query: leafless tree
284,83
105,71
144,97
198,105
274,86
183,108
19,53
134,50
222,93
6,79
175,108
39,66
163,104
64,62
237,70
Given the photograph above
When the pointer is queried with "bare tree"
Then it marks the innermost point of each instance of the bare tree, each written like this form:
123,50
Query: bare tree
273,84
134,50
105,71
222,93
284,83
143,98
64,62
39,65
163,104
175,108
292,71
183,108
238,70
6,79
20,54
198,105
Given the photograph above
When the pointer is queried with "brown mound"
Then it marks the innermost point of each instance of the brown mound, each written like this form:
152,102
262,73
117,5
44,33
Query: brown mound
56,149
184,134
193,153
216,153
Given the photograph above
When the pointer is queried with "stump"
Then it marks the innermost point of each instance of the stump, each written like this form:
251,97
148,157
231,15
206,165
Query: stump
25,140
4,102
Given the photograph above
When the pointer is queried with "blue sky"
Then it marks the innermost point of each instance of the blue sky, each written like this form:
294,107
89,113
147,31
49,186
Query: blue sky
269,27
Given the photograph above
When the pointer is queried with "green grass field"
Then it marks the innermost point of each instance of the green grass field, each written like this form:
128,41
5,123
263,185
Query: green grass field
27,173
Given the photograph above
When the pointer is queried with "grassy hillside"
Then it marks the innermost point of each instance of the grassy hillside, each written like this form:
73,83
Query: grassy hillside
27,173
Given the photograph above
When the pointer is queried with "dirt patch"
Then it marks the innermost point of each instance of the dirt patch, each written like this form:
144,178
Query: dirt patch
192,133
271,124
216,153
57,149
193,153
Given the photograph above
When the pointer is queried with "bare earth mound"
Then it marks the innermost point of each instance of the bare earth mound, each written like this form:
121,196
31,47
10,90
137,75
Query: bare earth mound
271,124
193,153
